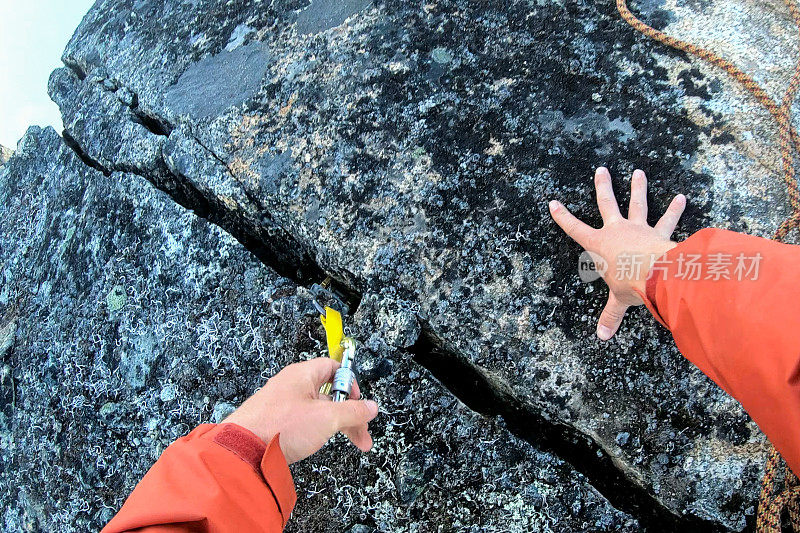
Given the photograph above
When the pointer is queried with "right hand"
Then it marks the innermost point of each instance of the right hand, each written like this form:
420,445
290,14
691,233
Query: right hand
290,404
620,237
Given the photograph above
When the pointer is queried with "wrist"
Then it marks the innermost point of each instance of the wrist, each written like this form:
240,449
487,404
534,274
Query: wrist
260,430
656,256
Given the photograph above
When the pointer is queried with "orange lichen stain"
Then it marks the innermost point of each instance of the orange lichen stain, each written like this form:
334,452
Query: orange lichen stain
288,107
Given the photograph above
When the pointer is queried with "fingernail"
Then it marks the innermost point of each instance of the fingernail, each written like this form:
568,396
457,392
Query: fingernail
601,171
554,205
604,332
372,406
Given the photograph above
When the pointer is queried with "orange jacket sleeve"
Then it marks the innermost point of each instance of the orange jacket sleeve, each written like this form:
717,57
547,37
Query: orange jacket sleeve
742,330
216,478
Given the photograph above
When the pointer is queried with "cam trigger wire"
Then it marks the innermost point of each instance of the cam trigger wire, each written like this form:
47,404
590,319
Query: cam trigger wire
770,505
340,347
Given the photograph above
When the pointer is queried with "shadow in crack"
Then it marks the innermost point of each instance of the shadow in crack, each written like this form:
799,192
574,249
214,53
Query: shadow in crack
482,393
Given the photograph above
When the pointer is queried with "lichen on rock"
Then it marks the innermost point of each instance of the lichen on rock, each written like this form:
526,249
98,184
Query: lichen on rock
408,151
412,148
96,384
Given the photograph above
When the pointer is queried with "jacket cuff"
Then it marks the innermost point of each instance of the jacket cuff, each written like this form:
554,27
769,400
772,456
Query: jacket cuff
267,460
649,300
664,270
659,272
241,442
279,477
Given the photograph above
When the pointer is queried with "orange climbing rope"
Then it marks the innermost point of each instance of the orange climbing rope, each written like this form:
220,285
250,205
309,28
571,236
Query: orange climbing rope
781,113
770,503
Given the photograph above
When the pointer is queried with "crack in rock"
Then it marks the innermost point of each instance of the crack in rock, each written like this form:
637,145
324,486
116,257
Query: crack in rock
412,147
581,450
135,320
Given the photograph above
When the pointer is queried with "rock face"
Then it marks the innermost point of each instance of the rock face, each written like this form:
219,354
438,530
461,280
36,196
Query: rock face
126,320
408,150
129,317
5,154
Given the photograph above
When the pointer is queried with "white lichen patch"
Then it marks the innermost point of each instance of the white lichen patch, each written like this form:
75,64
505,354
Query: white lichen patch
238,36
116,298
760,39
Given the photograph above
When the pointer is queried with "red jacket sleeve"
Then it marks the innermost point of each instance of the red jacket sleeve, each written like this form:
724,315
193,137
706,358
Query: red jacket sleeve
216,478
739,323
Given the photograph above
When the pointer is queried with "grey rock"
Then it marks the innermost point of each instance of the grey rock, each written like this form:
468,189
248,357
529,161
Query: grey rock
364,154
168,393
441,55
5,154
396,322
7,336
446,465
360,528
83,387
321,15
413,473
215,83
207,323
221,411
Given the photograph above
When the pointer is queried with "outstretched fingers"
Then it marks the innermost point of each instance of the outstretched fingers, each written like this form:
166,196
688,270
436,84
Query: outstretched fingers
669,220
606,201
637,209
577,230
611,317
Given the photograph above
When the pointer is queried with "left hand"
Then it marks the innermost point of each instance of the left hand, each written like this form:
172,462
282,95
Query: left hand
620,238
290,404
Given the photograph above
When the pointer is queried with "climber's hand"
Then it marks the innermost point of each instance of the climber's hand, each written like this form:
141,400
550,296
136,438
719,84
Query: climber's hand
615,246
290,404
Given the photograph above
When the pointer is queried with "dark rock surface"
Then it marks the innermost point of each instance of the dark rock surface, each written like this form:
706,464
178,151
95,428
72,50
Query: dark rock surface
126,320
411,148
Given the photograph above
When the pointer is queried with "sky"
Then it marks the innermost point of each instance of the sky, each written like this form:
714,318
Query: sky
33,36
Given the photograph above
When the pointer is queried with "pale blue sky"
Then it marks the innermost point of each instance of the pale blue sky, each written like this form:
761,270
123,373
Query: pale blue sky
32,38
